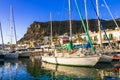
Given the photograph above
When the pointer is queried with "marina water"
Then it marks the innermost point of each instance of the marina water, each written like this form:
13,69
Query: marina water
34,69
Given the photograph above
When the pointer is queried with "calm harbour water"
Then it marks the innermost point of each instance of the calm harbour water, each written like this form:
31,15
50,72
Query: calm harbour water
32,69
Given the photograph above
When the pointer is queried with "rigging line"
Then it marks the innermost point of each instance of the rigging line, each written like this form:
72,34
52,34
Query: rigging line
102,27
59,28
63,9
80,15
110,13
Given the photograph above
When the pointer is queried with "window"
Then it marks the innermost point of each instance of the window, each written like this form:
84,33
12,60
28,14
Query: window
91,38
104,37
110,36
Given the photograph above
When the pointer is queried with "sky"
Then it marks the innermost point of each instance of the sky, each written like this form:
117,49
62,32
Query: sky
27,11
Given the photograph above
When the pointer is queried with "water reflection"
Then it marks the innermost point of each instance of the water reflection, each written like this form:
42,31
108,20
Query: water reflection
34,69
8,70
77,72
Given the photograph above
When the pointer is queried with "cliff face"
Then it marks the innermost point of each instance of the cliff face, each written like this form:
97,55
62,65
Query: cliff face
39,29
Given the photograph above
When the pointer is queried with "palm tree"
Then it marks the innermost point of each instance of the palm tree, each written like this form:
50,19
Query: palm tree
41,39
34,43
55,39
28,43
78,38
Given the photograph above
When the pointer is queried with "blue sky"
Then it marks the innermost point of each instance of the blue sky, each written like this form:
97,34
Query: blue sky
28,11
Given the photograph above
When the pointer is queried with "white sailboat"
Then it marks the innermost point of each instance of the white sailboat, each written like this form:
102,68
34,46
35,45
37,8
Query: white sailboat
72,61
103,58
89,60
11,54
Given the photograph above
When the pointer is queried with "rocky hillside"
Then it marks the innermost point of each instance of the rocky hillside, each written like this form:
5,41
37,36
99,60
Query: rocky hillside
39,29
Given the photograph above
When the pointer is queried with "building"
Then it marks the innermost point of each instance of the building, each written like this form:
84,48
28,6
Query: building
113,36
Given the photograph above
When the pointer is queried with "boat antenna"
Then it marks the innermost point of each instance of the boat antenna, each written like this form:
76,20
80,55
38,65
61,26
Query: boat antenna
102,27
110,13
3,46
80,15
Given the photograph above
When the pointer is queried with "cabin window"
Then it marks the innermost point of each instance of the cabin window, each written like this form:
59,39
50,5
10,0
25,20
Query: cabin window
110,36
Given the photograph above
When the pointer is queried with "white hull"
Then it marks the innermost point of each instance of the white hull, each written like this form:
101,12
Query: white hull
11,55
72,61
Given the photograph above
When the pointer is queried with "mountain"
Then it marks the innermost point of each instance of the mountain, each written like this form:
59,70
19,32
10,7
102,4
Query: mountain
38,30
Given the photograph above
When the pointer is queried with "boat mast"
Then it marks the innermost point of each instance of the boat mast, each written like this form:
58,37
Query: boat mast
51,27
14,26
11,27
70,23
80,15
100,36
102,27
3,46
86,13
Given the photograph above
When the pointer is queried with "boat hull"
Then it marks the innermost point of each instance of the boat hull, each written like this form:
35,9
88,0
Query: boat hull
24,55
1,58
11,55
105,58
72,61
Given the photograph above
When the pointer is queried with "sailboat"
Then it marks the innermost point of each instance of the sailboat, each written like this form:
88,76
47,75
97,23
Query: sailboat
103,58
71,60
11,53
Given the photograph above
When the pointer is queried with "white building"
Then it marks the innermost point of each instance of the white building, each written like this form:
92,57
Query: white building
113,35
